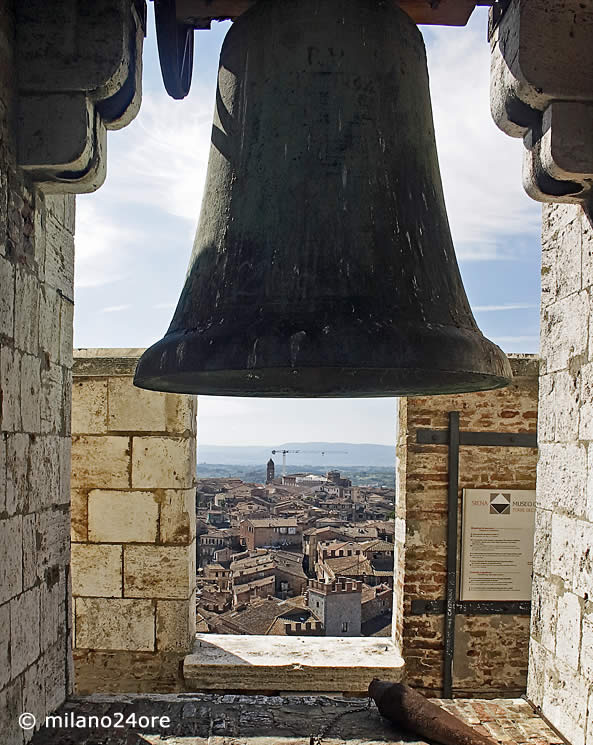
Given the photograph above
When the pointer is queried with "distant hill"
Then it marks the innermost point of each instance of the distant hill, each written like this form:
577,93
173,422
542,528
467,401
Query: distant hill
360,476
335,454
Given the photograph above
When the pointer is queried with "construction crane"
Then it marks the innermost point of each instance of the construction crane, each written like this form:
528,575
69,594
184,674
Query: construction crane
323,452
284,457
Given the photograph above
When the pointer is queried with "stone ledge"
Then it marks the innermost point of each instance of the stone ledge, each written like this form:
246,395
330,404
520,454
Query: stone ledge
105,361
275,663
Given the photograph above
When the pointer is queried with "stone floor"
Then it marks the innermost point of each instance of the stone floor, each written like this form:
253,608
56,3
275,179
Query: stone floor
201,719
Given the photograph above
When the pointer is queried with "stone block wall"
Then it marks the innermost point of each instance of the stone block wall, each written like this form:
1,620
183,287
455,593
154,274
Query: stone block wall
133,527
561,652
490,651
36,308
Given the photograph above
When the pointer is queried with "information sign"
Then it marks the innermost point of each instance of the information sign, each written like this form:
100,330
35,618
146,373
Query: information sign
497,544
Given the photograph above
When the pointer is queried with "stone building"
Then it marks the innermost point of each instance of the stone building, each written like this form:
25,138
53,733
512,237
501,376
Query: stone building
53,121
337,604
271,532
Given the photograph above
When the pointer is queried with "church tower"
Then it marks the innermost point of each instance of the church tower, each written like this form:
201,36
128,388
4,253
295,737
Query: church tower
270,472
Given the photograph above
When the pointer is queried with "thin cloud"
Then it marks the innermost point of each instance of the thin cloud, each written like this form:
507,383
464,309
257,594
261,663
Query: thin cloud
115,308
508,306
164,306
163,166
157,164
480,166
98,241
516,339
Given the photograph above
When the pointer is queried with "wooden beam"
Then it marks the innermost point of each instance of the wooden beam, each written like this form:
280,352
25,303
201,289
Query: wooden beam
200,13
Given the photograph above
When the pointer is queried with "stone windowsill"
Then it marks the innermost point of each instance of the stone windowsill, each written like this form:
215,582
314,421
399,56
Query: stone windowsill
290,663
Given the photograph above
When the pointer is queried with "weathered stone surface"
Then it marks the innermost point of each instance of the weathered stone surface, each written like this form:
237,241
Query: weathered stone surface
565,700
544,612
4,644
122,516
567,403
6,298
17,457
11,558
34,694
481,663
53,671
10,377
26,315
44,485
541,542
59,256
568,630
586,658
562,558
52,399
562,478
586,407
24,630
115,623
89,406
79,515
66,331
49,323
100,462
586,249
46,544
536,673
158,571
175,625
200,719
560,668
161,512
11,705
583,561
51,611
3,484
136,410
565,331
34,402
96,570
163,462
248,663
178,516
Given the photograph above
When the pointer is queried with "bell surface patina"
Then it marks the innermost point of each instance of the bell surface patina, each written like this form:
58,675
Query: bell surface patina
323,264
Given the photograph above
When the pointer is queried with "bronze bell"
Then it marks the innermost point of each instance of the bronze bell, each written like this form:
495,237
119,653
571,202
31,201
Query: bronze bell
323,263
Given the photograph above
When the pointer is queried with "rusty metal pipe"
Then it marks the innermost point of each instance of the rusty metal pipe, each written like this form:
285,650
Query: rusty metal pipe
409,709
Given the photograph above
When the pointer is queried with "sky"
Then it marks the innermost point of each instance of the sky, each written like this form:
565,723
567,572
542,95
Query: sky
134,235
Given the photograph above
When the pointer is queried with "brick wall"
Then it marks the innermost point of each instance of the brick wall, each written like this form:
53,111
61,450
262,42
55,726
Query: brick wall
133,527
36,270
490,651
561,652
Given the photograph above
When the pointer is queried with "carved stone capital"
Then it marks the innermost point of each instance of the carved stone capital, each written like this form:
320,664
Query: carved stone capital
80,67
542,90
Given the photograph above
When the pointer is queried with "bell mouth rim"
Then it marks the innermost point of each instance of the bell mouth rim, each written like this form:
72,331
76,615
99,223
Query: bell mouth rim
322,382
404,360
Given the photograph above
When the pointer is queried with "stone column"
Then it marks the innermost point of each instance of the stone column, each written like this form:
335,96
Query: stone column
133,527
542,91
